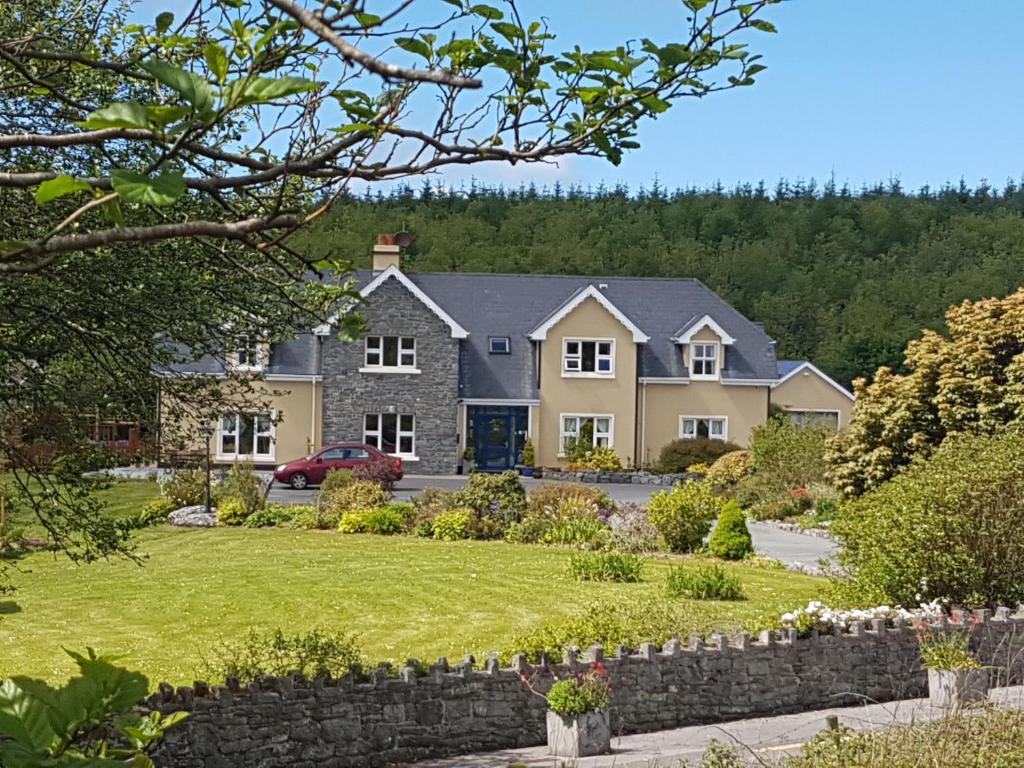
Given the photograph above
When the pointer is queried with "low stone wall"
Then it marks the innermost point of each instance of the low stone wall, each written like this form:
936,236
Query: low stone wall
341,724
628,478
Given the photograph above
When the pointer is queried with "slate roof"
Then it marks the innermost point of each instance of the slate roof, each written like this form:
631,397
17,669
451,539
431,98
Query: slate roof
786,367
295,357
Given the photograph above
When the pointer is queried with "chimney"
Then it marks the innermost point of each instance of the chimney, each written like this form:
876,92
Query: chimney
386,253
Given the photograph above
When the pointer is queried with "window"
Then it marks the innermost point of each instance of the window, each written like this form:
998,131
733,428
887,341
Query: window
703,360
249,355
578,427
583,356
703,426
829,419
335,454
499,345
246,435
390,352
390,432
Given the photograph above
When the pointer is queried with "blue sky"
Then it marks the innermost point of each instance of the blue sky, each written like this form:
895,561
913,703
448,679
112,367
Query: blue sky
921,90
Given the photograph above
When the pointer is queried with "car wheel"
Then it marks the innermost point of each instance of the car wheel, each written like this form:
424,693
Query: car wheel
298,481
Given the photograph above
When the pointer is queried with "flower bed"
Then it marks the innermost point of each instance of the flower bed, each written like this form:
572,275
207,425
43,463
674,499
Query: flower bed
627,477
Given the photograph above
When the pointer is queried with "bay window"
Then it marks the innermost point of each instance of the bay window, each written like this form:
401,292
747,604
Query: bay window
588,356
714,427
390,352
393,433
245,436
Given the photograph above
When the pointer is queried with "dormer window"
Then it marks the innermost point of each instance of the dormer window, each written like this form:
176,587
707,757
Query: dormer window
704,360
249,356
588,357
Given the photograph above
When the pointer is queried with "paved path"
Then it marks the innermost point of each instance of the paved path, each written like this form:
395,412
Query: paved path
758,740
768,540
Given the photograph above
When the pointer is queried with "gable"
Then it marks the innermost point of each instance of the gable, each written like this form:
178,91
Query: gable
589,295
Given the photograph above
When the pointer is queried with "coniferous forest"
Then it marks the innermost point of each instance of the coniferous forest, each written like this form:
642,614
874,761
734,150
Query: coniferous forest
838,276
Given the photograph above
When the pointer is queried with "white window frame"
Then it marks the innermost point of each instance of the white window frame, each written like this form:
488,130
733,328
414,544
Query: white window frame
572,363
683,435
242,361
608,437
836,411
373,436
505,341
237,454
373,355
715,358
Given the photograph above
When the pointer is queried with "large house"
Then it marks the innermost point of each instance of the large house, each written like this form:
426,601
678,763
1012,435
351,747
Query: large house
456,361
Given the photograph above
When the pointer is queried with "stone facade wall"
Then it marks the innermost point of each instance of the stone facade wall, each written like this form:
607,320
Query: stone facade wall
430,396
632,478
340,724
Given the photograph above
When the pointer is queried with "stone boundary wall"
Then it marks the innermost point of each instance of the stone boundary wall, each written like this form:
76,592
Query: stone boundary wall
449,711
629,478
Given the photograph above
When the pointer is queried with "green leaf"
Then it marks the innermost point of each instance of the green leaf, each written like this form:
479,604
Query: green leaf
413,45
261,90
656,104
367,19
217,61
191,87
487,12
136,187
58,187
164,21
119,115
764,26
165,114
24,718
112,211
510,32
353,127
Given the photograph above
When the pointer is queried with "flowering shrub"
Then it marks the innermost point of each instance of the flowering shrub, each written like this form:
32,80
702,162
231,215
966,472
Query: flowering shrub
581,693
185,487
378,471
821,617
683,515
946,649
600,459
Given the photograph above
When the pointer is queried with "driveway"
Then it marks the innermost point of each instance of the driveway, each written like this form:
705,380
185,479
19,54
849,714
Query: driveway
768,540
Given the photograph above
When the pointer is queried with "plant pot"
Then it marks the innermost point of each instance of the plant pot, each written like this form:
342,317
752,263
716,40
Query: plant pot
953,688
527,471
579,735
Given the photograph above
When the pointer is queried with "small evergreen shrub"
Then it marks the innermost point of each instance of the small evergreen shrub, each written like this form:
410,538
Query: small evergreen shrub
731,540
606,566
359,494
383,521
231,511
704,583
529,455
683,515
378,471
244,484
185,487
453,525
729,469
334,480
155,512
314,654
271,516
677,455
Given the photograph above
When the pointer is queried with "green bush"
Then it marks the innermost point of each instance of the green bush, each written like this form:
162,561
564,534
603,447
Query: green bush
358,494
271,516
789,455
383,521
453,525
498,495
428,504
231,511
185,487
683,515
244,484
678,455
335,480
606,566
315,518
704,583
729,469
155,512
951,526
549,498
530,530
598,459
313,654
577,531
579,695
731,540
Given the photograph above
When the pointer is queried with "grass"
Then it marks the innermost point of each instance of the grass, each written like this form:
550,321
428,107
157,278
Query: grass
122,499
403,596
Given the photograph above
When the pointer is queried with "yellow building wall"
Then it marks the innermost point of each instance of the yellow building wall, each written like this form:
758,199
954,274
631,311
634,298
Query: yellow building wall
807,391
583,395
298,428
663,404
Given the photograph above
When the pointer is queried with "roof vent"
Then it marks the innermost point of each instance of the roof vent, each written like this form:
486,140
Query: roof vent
602,286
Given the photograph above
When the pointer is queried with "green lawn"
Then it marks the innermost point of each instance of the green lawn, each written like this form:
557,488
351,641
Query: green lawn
402,596
122,499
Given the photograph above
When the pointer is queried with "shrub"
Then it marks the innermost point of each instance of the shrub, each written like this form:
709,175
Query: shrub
312,518
789,455
334,480
530,530
429,503
358,494
155,512
547,498
383,521
271,516
699,469
632,530
683,515
528,453
379,471
185,487
580,694
600,459
730,468
731,540
948,527
231,511
497,495
453,525
244,484
313,654
677,455
605,566
577,531
705,583
774,510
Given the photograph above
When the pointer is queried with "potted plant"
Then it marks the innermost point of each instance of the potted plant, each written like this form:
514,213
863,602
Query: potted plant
578,721
955,676
528,458
468,456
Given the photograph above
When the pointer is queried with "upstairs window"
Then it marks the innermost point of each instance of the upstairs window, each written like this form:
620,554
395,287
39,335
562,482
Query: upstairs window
390,352
704,360
249,355
499,345
588,356
713,427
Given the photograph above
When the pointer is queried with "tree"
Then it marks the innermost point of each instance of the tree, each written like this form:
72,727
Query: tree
155,169
969,381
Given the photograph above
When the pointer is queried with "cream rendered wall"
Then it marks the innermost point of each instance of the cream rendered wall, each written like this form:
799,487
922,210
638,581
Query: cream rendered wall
663,404
808,391
615,396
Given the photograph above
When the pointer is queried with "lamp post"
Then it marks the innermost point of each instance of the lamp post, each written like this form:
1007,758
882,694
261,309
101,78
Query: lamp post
208,431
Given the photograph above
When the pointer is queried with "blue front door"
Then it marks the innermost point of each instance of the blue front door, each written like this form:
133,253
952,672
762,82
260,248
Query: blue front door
497,435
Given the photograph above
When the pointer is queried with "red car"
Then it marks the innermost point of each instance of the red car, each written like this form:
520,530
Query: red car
314,468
